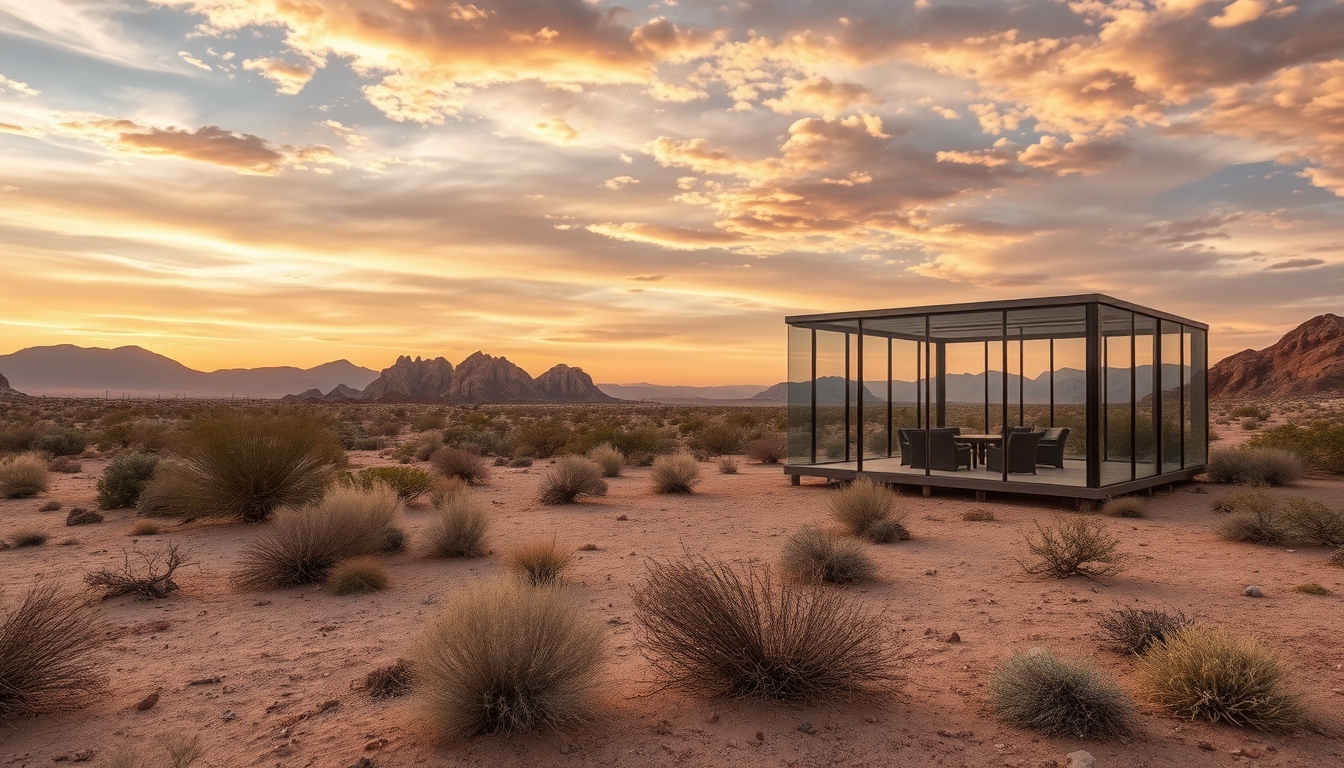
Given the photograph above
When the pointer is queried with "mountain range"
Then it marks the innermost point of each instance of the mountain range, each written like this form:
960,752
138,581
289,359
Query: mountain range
1308,359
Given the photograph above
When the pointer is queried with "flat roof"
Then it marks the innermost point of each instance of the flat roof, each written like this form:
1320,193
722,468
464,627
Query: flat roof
994,306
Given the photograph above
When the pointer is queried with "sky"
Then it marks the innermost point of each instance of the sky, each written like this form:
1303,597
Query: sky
647,190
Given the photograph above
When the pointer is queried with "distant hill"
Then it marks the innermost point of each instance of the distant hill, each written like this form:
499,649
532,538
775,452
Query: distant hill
6,390
1070,387
481,378
71,371
1308,359
675,394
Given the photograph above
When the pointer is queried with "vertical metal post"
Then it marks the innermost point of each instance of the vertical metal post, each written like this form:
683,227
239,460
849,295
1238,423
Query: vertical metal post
940,377
1181,377
813,393
1094,395
1052,381
986,370
859,436
1159,439
1133,404
928,417
846,382
889,395
1021,378
1003,342
919,384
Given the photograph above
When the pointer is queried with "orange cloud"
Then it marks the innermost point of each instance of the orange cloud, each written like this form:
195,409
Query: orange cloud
289,78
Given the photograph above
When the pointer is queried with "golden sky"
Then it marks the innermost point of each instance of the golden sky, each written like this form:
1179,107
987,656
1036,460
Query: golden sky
646,190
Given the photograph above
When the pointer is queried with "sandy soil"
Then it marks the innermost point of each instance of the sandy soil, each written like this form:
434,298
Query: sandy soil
282,657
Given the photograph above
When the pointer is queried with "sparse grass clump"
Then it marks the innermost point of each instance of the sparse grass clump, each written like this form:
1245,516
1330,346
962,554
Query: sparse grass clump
770,448
30,538
1312,522
445,488
1254,466
504,657
1135,630
1045,694
182,752
1311,589
467,466
978,516
1074,546
677,473
1125,506
570,478
409,483
714,630
727,465
458,528
813,554
304,544
48,647
124,479
867,509
145,528
357,576
1209,673
1256,500
1256,524
609,458
148,578
244,467
389,682
540,562
23,476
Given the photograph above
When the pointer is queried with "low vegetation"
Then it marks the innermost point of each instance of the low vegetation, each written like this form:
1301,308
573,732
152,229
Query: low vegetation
1074,546
468,466
1320,445
389,682
409,483
458,527
610,458
23,476
504,657
540,562
148,576
771,448
357,576
572,477
1254,523
180,751
1254,466
62,442
30,538
1125,506
727,465
1253,500
978,516
1135,630
48,654
124,479
676,473
1072,699
1311,522
1312,589
867,509
813,554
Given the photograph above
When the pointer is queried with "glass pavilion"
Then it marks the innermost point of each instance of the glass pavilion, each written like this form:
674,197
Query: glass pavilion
1121,389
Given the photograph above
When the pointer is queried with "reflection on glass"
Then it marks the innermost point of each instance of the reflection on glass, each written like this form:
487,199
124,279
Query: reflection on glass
830,394
1146,416
876,384
799,395
1171,396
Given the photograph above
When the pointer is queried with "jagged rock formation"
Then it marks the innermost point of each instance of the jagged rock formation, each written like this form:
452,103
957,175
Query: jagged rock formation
571,385
1308,359
341,392
481,378
6,390
414,379
311,394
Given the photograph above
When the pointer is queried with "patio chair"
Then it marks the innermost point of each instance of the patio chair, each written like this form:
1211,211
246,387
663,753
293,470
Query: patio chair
905,436
1051,449
946,454
1021,450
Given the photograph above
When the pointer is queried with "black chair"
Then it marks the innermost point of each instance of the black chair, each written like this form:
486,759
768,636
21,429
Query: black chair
905,436
1051,449
1021,450
945,453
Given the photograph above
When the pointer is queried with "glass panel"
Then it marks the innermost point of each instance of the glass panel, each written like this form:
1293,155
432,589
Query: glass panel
1145,436
1070,389
994,397
905,373
830,393
1171,396
856,399
1047,380
1117,368
800,395
964,372
1196,401
875,382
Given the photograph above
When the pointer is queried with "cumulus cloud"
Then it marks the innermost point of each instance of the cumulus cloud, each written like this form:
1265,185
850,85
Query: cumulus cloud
14,86
288,78
820,96
555,130
1296,264
619,182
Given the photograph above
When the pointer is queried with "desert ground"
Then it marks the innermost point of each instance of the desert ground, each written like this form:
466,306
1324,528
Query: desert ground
277,678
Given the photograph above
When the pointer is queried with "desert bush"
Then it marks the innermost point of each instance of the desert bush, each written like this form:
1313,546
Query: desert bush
570,478
504,657
1320,444
539,562
520,462
458,528
1312,522
124,479
978,516
1060,698
425,445
716,439
1256,500
813,554
1125,506
677,473
64,442
1254,466
1250,412
23,476
149,577
394,540
609,458
1250,424
409,483
1073,546
445,488
1336,558
1311,589
770,448
543,437
82,516
711,629
182,752
29,538
389,682
65,465
727,465
467,466
1209,673
1255,524
244,467
303,544
1135,630
48,647
16,438
145,528
868,509
431,420
357,576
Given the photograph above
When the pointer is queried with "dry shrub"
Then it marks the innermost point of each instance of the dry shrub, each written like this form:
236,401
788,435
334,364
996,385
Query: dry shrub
570,478
389,682
812,554
1135,630
609,458
1074,546
23,476
65,465
1312,522
1125,506
1311,589
148,578
446,488
124,479
714,630
145,528
677,473
1336,559
727,465
357,576
539,562
770,448
47,654
304,544
1254,466
182,752
504,657
1258,525
458,528
426,444
867,508
467,466
1209,673
1256,500
244,467
1058,698
409,483
978,516
29,538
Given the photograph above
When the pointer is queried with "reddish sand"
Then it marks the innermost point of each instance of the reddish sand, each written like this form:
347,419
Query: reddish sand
281,656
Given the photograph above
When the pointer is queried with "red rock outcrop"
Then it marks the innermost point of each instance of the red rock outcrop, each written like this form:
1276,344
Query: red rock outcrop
5,389
482,378
412,379
1308,359
564,384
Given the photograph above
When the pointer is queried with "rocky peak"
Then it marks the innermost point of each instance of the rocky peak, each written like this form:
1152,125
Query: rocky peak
5,389
565,384
416,378
484,378
340,392
1309,358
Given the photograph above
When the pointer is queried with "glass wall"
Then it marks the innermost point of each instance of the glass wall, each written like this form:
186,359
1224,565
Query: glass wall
799,395
1171,395
1145,396
830,393
1196,400
1117,372
876,434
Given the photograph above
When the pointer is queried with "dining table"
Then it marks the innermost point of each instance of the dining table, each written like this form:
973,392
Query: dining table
978,445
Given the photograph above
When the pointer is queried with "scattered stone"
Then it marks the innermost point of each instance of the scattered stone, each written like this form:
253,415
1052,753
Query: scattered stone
1206,746
1253,591
622,517
82,516
713,717
362,762
148,702
588,548
261,603
808,728
228,716
760,735
931,572
206,680
50,506
376,744
1081,759
952,638
83,756
928,631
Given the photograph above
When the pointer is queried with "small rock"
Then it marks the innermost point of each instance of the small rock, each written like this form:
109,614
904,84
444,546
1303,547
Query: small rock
50,506
808,728
375,745
1253,591
1081,759
148,702
82,516
760,735
931,572
588,548
228,716
928,631
952,638
622,517
1206,746
713,717
362,762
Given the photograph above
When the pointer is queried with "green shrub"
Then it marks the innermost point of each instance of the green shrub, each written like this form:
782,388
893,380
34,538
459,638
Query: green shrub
867,509
609,458
65,442
1255,524
1320,445
1312,522
49,646
727,465
540,563
467,466
23,476
458,528
677,473
570,478
1255,500
1074,546
771,448
714,630
1135,630
812,554
1210,673
504,657
1125,506
543,437
1041,693
1254,466
244,467
717,439
1311,589
124,479
409,483
357,576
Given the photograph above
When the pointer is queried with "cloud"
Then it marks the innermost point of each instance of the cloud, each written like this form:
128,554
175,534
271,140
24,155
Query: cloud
288,78
193,61
619,182
22,89
556,130
648,278
1239,12
1296,264
1084,157
820,96
241,152
349,134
